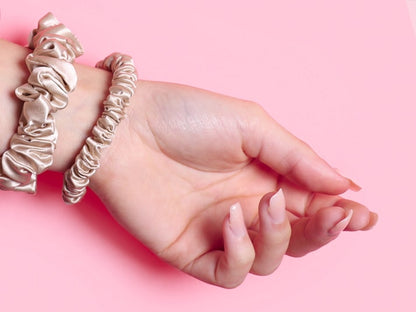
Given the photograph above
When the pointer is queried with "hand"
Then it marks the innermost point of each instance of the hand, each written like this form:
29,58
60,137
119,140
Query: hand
191,174
183,158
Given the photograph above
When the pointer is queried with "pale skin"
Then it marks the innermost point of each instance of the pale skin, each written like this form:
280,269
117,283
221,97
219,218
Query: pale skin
211,184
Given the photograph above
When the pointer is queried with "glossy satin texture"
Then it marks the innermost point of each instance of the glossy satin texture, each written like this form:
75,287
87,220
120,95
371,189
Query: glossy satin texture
88,160
52,77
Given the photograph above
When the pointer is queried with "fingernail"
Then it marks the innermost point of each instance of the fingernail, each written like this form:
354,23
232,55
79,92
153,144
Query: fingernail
277,207
237,224
341,225
352,185
372,222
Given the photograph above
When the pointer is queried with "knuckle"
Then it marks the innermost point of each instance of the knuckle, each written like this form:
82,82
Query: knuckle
232,283
263,271
279,235
247,258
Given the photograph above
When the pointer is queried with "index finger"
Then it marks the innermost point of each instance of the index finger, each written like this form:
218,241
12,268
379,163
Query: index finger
289,156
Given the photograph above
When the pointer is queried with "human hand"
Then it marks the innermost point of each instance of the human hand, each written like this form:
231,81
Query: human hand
184,156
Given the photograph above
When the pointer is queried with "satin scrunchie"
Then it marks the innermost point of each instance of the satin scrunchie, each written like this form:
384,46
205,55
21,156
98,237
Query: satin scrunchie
52,77
87,161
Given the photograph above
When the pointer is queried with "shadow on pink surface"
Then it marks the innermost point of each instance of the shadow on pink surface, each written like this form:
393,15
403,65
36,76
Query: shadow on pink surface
92,212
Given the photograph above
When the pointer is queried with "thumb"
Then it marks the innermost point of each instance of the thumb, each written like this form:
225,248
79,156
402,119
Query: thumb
276,147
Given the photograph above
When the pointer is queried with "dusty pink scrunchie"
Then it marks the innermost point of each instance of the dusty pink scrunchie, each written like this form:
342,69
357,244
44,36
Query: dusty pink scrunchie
52,77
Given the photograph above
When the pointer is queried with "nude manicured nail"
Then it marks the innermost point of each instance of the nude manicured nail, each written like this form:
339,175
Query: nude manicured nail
277,207
237,224
372,222
341,225
353,186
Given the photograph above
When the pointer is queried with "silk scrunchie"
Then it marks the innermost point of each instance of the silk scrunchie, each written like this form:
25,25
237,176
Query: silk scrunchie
52,77
88,160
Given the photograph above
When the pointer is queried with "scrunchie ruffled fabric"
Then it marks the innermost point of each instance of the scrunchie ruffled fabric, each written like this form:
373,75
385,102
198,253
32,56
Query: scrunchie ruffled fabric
52,77
88,160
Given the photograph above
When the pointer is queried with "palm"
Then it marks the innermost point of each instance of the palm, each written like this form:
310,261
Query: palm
191,167
177,165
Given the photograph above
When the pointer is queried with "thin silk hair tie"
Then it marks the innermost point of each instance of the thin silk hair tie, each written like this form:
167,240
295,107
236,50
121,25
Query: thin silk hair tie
52,77
87,161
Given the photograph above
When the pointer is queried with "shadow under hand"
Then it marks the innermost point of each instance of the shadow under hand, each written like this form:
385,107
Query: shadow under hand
92,211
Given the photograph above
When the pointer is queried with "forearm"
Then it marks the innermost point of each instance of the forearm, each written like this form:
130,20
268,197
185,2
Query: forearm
73,123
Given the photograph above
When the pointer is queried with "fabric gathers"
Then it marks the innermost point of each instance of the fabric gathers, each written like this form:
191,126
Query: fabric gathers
88,160
52,77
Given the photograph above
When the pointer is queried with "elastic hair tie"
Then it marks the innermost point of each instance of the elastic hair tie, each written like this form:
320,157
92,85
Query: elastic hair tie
52,77
87,161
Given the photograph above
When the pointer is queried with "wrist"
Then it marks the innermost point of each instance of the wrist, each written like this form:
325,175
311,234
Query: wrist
73,123
13,74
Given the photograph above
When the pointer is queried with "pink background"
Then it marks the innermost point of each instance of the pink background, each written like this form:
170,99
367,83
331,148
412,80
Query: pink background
339,74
